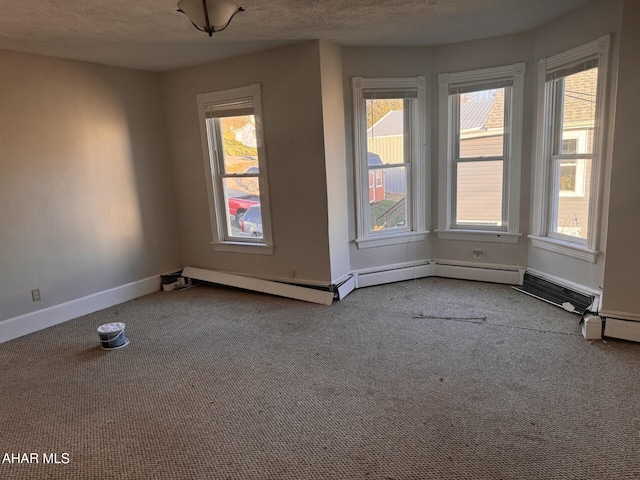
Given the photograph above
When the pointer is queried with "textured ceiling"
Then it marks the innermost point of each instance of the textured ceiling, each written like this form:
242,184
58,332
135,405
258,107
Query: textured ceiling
151,35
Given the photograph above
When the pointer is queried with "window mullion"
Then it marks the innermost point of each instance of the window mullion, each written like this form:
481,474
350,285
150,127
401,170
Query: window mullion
507,154
455,124
479,159
388,165
572,156
453,220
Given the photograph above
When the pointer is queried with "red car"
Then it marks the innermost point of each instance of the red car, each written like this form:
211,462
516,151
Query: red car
239,203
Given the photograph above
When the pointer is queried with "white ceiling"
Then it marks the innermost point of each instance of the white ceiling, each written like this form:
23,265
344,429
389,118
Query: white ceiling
152,35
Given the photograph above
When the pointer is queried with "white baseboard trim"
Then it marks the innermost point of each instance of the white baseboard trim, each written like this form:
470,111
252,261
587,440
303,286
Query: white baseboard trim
346,287
47,317
288,280
342,278
259,285
507,274
622,329
621,315
392,273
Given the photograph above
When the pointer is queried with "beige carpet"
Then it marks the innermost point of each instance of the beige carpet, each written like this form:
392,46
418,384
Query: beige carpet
427,379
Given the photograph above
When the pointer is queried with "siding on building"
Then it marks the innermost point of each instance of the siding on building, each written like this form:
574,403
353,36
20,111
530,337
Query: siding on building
390,149
482,146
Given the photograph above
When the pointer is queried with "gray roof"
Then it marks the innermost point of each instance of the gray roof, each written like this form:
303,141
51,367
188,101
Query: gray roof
388,126
474,114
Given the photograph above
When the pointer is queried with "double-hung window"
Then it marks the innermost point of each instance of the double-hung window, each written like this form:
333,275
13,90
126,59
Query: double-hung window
390,134
570,149
236,169
480,149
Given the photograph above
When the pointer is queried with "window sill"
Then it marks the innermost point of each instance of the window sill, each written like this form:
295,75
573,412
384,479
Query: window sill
243,247
564,247
479,236
392,239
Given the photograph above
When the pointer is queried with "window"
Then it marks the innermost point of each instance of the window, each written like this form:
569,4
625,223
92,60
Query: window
480,143
236,169
569,155
390,155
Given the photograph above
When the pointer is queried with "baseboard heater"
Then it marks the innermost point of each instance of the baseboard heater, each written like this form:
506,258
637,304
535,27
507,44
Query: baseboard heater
307,294
555,294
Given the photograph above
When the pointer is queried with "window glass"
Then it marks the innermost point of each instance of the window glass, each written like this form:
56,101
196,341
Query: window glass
387,154
578,109
478,170
575,111
238,201
572,211
481,123
479,193
239,168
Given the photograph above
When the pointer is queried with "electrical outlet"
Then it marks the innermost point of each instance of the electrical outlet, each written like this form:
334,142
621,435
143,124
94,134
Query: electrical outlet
477,253
35,295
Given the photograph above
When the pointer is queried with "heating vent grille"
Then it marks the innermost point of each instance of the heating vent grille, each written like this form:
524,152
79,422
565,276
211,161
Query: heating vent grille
556,294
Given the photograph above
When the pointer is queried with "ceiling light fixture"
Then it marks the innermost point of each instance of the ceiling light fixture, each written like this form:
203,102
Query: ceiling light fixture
209,15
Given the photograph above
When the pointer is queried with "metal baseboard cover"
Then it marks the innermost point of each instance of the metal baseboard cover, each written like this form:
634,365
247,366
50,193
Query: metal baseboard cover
555,294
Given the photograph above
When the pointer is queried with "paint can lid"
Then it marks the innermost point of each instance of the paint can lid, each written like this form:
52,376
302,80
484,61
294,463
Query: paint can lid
111,327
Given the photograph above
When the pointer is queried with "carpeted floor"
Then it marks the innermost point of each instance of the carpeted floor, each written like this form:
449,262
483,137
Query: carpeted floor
426,379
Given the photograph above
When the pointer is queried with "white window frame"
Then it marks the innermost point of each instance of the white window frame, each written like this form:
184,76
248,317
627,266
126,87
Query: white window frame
542,235
221,240
418,167
509,232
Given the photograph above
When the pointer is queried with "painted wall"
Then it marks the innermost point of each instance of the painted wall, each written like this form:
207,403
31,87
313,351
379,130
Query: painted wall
574,29
460,57
86,198
379,62
622,290
292,107
335,158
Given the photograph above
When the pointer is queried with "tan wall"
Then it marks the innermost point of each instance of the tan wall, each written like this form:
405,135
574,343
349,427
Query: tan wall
621,286
335,157
292,106
86,199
